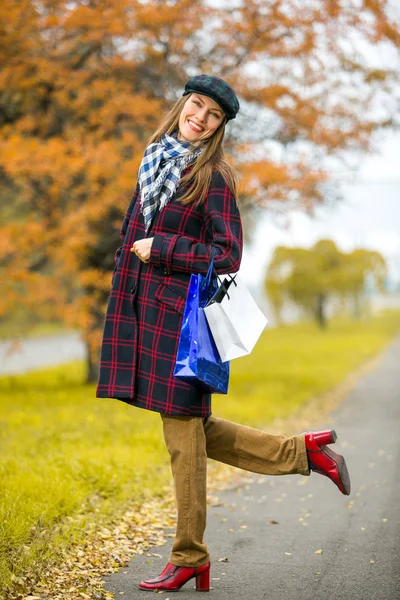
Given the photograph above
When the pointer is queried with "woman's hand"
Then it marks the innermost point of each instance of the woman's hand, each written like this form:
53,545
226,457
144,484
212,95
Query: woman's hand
142,249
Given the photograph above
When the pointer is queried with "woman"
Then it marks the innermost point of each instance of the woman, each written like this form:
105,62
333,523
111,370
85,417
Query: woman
184,207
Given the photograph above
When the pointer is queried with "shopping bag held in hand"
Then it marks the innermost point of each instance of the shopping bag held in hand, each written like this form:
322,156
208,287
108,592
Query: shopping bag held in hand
197,361
234,318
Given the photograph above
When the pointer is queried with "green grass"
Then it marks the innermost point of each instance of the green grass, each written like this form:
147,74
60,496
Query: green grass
69,460
12,330
294,363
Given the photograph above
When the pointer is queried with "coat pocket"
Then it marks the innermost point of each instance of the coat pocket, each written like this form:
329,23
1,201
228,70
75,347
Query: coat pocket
170,296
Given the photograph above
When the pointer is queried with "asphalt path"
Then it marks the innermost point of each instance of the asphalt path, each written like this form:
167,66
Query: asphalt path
20,356
299,538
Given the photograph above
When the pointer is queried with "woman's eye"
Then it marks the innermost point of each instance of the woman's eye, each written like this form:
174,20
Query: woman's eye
216,115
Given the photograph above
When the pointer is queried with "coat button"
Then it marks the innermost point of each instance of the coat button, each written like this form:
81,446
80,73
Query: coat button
165,272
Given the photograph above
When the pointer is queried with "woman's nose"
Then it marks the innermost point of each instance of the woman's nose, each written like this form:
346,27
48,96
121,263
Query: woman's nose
202,114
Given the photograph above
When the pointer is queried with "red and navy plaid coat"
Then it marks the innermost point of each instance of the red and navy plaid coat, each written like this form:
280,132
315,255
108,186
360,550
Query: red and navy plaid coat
147,300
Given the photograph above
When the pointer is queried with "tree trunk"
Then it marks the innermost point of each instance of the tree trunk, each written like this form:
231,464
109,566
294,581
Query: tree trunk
320,311
356,306
92,371
93,351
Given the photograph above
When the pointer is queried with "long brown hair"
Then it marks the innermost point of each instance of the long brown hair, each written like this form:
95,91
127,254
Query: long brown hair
213,158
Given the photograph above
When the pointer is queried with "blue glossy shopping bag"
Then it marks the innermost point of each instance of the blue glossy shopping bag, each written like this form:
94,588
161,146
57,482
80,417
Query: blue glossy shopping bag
198,361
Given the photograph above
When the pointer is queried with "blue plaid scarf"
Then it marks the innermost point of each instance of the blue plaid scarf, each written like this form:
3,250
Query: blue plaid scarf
160,172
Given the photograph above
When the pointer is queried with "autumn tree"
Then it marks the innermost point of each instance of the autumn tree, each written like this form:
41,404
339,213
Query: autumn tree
362,265
312,277
84,83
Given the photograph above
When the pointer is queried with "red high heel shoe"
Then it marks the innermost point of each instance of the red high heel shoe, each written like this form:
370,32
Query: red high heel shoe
173,578
325,461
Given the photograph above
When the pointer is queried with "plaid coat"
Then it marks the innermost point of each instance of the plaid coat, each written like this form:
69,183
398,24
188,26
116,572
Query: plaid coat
147,300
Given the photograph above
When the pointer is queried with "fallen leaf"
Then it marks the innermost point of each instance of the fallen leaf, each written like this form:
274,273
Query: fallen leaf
319,551
224,559
273,522
288,553
372,561
116,558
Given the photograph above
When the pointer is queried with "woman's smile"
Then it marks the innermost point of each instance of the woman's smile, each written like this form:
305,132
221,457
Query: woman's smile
194,126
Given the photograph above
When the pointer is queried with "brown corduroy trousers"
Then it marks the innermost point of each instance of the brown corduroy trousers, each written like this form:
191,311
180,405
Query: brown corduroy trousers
190,440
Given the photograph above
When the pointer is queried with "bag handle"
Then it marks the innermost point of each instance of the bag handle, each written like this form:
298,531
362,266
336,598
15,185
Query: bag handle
232,279
211,267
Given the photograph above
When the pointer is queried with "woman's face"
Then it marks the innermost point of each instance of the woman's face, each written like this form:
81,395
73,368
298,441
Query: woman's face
199,119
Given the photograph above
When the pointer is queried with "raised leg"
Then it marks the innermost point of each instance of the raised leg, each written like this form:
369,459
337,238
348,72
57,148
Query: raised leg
255,450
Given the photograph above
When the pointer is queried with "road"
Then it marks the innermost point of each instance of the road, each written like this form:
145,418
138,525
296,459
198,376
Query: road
19,356
298,538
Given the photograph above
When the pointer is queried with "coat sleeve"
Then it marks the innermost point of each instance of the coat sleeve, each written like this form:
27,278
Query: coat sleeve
126,220
185,254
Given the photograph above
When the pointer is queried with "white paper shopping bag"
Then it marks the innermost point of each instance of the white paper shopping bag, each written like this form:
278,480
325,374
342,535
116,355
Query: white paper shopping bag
234,319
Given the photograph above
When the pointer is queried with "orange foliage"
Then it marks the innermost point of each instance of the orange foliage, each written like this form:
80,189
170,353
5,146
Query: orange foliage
83,85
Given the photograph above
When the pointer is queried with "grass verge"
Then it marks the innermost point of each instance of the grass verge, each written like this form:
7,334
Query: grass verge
70,462
15,331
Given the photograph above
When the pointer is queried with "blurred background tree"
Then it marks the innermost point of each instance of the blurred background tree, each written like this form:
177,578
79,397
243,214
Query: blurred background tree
312,277
83,85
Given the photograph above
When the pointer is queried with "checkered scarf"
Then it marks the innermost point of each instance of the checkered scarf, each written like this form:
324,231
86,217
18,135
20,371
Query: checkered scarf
160,172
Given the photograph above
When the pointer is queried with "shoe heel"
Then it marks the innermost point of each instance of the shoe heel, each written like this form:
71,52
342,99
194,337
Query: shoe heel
323,438
203,581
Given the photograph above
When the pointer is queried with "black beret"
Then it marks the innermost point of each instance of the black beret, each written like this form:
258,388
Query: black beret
217,89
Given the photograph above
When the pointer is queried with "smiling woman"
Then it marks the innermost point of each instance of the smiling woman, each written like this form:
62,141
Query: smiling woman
184,213
200,118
